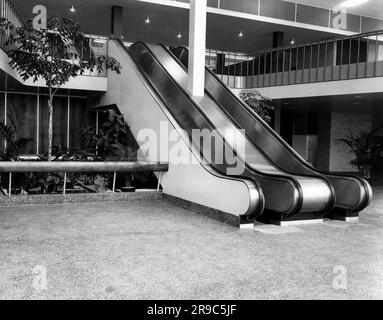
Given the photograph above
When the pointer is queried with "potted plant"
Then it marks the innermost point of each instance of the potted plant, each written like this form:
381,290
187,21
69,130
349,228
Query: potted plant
112,143
364,147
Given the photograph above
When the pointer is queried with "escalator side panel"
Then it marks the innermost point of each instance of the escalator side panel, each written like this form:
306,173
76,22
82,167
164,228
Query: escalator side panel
196,183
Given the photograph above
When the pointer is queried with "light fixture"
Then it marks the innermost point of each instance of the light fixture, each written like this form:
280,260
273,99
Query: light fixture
292,41
147,20
72,8
351,3
240,34
179,35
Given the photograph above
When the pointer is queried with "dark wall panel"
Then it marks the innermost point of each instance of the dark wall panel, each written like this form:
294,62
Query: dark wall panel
371,24
278,9
212,3
247,6
312,15
60,118
21,110
80,117
2,107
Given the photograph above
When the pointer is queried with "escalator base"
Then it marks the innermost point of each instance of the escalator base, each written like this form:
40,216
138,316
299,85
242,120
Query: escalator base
343,215
298,219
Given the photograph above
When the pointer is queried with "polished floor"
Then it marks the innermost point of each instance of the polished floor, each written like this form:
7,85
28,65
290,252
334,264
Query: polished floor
159,251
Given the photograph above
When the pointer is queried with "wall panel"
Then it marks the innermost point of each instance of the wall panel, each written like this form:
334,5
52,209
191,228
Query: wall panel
80,117
278,9
2,110
21,110
60,118
246,6
313,15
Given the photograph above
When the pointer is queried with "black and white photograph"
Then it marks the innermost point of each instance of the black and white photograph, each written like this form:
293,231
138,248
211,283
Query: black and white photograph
191,155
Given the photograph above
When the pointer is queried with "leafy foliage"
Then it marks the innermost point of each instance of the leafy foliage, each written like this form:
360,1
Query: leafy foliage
14,145
53,54
259,104
112,142
364,146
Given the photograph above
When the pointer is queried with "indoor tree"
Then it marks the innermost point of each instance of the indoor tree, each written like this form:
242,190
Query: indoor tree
52,54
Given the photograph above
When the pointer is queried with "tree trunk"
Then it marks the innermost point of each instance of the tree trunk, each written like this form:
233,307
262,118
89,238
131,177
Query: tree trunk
50,127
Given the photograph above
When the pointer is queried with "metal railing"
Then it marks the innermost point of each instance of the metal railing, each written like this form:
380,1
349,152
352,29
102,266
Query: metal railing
8,11
97,46
351,57
11,167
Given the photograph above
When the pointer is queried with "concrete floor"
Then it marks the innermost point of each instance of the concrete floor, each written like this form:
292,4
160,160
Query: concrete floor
159,251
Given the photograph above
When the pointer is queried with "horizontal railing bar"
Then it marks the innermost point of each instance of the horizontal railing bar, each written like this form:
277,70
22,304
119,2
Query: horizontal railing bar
78,166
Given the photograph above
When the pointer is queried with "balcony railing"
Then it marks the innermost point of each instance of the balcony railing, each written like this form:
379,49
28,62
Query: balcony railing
8,11
351,57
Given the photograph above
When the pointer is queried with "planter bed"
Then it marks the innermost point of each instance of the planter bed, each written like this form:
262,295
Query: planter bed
41,199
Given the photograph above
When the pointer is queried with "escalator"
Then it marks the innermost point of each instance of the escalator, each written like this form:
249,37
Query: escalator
352,193
287,196
154,107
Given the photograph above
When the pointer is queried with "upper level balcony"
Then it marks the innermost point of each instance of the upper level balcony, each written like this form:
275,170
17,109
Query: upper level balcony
93,45
347,58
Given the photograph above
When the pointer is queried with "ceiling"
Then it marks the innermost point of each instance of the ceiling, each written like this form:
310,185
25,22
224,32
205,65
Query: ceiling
167,21
372,8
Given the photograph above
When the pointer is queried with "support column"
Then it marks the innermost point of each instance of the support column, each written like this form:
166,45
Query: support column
117,17
197,47
278,39
277,116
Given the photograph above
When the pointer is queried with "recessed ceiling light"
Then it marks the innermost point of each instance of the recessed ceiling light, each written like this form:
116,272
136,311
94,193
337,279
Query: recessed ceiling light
147,19
240,34
179,35
72,8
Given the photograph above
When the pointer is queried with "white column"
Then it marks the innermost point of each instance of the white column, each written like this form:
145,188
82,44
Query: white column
197,47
